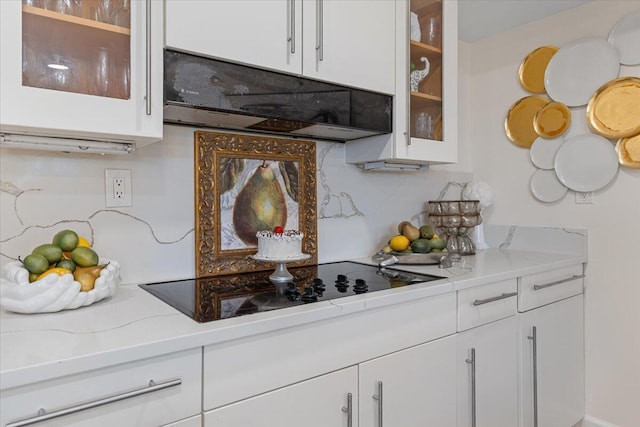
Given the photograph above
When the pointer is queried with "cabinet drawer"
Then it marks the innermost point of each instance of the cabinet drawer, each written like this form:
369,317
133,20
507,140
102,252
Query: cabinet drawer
250,366
539,289
488,303
119,395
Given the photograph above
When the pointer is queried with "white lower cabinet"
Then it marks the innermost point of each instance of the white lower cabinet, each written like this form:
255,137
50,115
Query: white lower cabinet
552,364
328,400
149,392
413,387
487,375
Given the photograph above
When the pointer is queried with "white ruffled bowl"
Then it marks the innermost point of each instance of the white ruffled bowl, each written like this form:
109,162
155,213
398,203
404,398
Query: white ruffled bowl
53,293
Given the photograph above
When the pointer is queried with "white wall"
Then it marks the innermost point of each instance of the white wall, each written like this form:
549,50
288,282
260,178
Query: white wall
613,280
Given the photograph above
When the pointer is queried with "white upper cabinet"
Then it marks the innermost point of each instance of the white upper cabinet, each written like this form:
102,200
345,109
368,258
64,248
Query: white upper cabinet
350,42
425,111
85,70
258,32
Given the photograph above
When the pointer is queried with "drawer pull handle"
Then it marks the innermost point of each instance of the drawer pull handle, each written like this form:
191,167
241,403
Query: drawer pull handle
558,282
492,299
43,416
349,410
378,397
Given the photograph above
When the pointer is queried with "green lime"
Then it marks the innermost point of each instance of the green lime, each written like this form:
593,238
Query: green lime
438,243
50,251
68,264
67,240
35,264
84,257
421,246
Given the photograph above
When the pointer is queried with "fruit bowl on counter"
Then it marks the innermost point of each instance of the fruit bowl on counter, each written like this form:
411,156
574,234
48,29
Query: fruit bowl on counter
53,292
62,275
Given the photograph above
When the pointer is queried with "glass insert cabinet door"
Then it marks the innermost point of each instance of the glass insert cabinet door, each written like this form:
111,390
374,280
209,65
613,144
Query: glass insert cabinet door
79,46
425,70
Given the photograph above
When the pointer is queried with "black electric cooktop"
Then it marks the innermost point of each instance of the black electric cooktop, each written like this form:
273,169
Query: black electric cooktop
221,297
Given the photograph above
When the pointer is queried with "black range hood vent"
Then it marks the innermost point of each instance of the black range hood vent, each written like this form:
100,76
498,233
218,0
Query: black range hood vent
206,92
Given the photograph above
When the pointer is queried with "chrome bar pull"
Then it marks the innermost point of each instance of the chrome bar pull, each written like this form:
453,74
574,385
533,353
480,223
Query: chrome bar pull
378,397
319,30
44,416
349,410
147,96
558,282
472,362
534,340
492,299
292,22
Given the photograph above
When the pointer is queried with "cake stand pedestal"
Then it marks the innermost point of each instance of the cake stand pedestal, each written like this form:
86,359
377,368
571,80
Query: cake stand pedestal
281,276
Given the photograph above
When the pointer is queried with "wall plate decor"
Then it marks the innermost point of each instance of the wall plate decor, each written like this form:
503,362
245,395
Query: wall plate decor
586,162
546,186
552,120
614,109
628,150
543,152
519,122
625,36
532,68
579,68
248,183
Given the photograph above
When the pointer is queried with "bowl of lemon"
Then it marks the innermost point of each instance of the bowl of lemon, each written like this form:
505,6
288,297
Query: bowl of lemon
62,275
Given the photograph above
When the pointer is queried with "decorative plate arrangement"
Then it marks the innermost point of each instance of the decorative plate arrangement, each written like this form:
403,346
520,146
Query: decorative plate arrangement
64,274
583,72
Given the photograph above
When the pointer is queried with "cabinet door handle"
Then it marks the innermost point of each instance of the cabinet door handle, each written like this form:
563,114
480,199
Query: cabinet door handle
558,282
292,22
492,299
43,416
378,397
534,340
349,410
319,31
472,362
147,96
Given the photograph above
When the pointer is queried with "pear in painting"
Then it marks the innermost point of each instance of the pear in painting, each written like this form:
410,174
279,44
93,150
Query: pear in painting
260,205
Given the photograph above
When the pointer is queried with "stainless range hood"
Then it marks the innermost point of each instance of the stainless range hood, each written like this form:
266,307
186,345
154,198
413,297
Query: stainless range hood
209,93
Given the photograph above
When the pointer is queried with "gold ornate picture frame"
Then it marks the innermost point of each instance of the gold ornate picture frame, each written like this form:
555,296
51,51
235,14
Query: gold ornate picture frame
246,183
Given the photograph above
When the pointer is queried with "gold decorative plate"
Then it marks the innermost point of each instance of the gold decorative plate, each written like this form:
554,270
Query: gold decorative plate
519,122
552,120
614,109
628,150
532,68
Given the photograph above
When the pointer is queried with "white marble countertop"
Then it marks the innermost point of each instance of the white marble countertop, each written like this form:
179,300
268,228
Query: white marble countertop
134,324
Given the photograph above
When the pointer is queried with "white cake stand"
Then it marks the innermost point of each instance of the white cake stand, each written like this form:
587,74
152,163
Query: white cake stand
281,275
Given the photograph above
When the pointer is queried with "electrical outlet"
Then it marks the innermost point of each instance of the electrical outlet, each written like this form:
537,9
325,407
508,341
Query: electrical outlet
117,184
584,198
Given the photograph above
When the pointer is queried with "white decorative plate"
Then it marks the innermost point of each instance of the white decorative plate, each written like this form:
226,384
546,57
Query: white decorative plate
546,187
53,293
586,162
579,68
543,152
625,36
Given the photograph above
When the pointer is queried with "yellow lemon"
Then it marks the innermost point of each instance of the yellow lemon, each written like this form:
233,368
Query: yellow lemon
57,270
399,243
83,242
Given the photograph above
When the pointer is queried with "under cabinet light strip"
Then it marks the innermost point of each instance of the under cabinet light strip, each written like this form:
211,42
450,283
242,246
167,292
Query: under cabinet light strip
65,144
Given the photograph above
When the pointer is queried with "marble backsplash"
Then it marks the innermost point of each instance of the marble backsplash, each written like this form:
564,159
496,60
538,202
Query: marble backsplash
42,193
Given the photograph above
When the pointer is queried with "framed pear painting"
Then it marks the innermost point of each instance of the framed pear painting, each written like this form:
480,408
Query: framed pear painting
245,184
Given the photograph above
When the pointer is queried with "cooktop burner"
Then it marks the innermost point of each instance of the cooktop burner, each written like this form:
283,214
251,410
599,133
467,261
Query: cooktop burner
221,297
